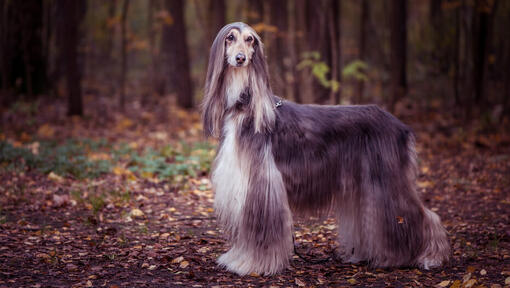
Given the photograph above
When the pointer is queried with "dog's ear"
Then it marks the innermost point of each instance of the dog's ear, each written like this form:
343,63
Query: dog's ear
213,105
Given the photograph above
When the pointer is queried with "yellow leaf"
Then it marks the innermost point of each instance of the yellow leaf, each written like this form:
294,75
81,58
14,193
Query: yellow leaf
55,177
299,282
46,131
262,27
425,184
123,124
25,137
351,281
444,283
470,283
507,281
147,175
98,156
178,259
456,284
136,213
184,264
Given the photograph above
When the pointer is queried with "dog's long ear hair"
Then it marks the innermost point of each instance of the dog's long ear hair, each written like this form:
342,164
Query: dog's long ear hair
261,100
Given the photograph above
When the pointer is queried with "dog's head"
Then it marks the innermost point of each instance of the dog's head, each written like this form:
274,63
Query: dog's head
237,46
240,44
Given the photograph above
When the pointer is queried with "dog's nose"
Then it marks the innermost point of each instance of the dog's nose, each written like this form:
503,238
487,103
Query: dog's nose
240,58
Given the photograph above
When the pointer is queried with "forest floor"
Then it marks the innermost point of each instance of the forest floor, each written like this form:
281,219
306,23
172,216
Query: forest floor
128,203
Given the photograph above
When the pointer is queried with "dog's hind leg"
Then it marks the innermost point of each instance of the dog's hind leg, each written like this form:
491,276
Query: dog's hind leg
349,229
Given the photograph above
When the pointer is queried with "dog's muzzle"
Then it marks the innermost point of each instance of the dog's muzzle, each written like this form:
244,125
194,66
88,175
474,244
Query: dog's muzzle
240,58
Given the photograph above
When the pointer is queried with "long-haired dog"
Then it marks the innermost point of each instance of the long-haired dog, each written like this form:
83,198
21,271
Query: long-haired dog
276,157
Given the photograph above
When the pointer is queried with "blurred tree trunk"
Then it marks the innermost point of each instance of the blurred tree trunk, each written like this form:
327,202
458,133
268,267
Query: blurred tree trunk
72,12
319,39
255,11
112,7
337,12
482,23
3,48
435,18
22,47
398,51
363,32
334,34
278,44
122,99
176,55
457,55
217,18
299,46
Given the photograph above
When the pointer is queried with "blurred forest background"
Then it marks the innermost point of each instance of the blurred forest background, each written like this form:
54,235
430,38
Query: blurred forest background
448,54
104,171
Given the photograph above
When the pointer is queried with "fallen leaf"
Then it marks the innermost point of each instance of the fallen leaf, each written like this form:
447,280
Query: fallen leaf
137,213
444,283
46,131
469,283
178,259
352,281
55,177
483,272
184,264
507,281
299,282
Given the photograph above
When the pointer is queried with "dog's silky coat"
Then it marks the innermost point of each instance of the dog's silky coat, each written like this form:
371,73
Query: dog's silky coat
276,157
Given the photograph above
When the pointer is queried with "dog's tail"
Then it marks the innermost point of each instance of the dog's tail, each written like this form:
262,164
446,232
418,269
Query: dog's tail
436,249
435,246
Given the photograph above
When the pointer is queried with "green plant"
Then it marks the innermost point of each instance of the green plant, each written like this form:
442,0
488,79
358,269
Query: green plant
319,69
355,70
174,163
69,158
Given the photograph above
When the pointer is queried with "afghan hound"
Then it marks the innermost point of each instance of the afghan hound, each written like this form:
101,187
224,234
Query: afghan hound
276,156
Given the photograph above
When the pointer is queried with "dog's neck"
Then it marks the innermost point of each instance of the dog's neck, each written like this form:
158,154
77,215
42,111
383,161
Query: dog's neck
236,82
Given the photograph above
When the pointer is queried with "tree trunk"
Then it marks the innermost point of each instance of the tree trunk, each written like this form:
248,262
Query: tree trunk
333,16
217,18
174,45
362,44
73,12
3,46
299,46
482,25
255,12
122,82
22,47
319,40
278,44
457,60
398,51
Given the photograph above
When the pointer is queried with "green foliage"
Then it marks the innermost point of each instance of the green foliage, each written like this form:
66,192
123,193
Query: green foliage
68,159
355,70
319,69
72,159
173,163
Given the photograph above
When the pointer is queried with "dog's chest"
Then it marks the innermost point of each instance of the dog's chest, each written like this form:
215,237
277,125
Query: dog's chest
236,83
229,179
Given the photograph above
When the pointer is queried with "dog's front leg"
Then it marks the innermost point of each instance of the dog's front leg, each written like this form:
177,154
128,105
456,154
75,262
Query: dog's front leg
263,243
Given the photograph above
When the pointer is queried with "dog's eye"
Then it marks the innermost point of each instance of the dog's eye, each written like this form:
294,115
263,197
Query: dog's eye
249,39
230,37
